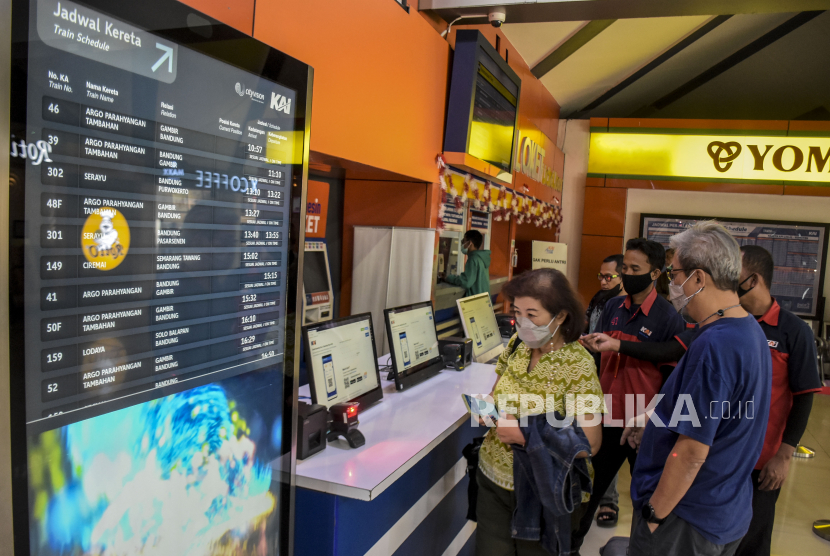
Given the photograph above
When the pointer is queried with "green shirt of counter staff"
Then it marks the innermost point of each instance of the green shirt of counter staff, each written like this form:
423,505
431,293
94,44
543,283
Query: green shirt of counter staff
476,276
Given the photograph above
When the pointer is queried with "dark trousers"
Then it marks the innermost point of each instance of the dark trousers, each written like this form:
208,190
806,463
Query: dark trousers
607,464
494,510
675,537
758,539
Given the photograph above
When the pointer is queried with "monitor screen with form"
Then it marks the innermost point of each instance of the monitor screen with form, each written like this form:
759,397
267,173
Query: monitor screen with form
479,321
340,356
412,338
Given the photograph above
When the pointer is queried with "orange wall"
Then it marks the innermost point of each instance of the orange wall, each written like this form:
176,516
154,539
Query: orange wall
368,203
594,250
380,79
500,248
603,228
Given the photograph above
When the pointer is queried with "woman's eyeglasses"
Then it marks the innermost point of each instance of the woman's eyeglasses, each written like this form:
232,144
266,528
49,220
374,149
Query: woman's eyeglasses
601,277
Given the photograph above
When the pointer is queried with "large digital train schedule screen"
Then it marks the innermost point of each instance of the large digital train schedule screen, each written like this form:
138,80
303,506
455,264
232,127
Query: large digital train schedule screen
155,155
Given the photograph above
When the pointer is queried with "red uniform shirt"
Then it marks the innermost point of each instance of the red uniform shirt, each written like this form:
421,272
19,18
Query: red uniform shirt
794,371
653,321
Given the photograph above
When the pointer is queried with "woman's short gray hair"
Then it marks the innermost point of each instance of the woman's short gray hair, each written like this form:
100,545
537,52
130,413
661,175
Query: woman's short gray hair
710,247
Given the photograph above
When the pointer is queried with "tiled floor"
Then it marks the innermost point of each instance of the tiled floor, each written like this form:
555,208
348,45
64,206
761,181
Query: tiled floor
805,497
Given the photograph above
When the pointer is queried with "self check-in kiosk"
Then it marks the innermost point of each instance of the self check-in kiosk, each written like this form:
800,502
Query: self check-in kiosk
318,295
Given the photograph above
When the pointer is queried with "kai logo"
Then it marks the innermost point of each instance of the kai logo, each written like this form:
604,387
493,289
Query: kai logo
105,239
772,344
645,331
280,103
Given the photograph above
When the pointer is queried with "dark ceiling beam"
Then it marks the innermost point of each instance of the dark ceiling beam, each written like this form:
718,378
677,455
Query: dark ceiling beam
522,11
645,70
731,61
577,41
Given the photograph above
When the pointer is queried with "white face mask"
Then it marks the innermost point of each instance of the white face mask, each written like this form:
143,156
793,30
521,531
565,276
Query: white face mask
678,296
534,336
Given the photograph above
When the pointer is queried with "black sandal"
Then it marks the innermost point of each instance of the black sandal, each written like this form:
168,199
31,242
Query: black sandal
608,518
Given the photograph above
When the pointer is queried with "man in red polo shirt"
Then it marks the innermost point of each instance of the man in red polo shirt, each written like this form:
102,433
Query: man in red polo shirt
641,316
794,379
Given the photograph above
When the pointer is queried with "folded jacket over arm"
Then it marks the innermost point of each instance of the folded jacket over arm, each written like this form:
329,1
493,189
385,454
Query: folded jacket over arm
549,481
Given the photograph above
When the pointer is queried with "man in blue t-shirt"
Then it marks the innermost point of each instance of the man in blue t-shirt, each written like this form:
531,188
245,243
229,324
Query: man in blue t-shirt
691,486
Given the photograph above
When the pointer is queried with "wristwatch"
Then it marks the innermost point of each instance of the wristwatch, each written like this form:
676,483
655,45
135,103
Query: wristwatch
650,516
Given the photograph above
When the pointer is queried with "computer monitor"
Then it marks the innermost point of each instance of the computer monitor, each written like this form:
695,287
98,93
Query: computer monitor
342,361
413,343
479,322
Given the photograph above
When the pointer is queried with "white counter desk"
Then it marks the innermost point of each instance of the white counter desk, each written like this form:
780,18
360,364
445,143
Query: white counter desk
400,430
405,491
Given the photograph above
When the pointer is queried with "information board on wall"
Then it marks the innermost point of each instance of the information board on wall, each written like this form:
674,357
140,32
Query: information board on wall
799,251
480,220
154,276
453,218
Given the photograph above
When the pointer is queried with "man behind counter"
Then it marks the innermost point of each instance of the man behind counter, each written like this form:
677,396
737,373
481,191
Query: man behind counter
476,276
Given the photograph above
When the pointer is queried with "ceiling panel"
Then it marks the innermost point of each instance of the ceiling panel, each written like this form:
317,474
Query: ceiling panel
535,41
613,55
783,81
724,40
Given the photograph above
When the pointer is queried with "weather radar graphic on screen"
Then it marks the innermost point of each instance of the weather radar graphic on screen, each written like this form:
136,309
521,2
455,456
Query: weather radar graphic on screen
183,474
153,282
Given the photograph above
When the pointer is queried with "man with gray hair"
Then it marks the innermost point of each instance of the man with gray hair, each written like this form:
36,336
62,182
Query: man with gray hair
691,486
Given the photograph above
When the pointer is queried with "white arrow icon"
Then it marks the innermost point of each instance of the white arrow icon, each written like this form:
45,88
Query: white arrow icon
168,55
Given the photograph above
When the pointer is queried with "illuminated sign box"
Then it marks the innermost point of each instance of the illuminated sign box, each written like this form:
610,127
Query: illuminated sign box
713,157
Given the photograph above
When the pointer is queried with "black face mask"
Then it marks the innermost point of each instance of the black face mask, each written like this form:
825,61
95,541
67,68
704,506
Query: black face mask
605,295
636,283
742,292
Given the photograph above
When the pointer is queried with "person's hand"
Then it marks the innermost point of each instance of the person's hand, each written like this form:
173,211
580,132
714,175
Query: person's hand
774,472
587,341
633,432
509,431
604,342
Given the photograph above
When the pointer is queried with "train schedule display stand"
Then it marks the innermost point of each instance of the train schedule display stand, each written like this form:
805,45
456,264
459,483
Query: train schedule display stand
154,269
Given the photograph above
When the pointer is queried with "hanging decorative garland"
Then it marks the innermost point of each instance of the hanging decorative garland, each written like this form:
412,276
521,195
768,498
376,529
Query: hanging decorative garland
493,198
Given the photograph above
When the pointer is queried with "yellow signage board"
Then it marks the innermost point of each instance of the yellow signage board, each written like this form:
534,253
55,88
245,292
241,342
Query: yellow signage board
718,157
